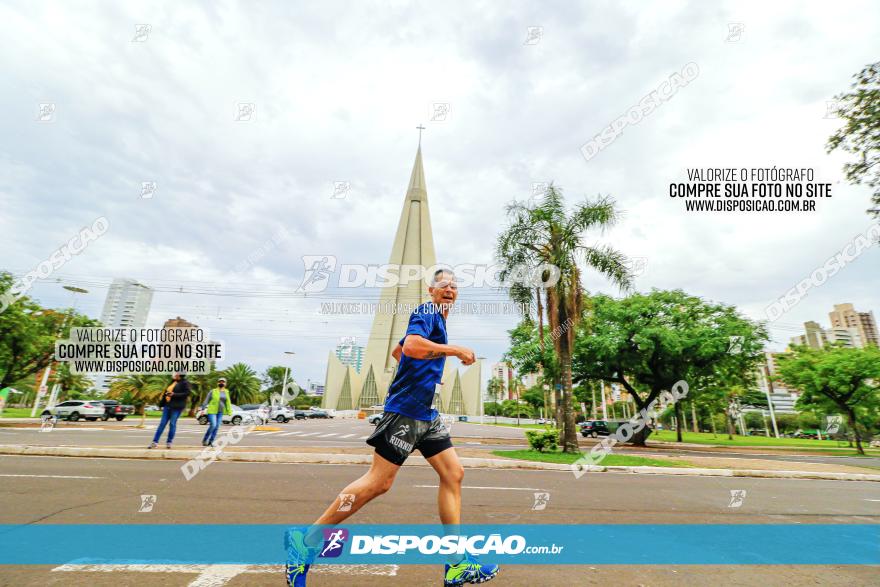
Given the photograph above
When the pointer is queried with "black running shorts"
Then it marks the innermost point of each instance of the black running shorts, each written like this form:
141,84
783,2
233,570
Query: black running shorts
397,436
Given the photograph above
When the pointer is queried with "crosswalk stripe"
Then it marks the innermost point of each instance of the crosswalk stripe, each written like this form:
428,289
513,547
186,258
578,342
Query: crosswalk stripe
364,437
347,436
291,433
326,435
309,434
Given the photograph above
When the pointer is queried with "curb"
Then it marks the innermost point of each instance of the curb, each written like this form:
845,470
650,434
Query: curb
356,459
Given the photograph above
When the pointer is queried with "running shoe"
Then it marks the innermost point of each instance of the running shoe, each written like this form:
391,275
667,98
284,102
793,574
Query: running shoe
469,571
299,557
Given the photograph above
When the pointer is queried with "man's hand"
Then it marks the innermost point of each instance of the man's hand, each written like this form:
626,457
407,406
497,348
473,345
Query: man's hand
465,354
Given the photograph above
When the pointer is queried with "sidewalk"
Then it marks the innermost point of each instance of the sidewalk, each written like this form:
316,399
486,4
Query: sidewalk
470,458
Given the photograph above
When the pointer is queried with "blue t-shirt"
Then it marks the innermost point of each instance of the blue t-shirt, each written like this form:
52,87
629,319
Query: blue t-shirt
412,391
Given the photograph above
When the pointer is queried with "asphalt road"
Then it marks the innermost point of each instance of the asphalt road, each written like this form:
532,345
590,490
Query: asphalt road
107,491
349,434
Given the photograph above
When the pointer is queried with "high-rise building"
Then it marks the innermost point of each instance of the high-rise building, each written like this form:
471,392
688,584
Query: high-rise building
126,306
817,337
504,372
846,316
315,388
350,353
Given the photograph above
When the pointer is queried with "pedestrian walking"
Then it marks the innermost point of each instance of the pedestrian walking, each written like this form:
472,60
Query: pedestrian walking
172,403
216,404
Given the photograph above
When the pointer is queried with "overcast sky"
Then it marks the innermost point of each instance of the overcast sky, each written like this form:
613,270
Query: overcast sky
338,89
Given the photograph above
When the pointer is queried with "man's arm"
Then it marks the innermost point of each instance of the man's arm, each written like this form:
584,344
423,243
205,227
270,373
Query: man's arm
418,347
398,350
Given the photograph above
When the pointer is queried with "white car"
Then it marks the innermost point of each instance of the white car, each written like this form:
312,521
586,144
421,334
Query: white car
73,410
236,417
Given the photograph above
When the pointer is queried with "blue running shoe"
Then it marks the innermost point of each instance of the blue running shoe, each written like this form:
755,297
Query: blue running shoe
469,570
299,557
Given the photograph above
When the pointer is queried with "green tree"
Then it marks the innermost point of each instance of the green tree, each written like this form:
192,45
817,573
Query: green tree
545,237
201,384
243,384
495,391
860,134
72,384
648,342
273,381
138,390
28,333
836,379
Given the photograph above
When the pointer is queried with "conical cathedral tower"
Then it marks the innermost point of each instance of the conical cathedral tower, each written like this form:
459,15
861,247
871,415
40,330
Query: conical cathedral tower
413,247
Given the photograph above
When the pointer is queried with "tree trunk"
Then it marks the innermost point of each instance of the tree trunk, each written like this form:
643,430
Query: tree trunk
712,421
730,429
851,416
680,422
696,426
569,432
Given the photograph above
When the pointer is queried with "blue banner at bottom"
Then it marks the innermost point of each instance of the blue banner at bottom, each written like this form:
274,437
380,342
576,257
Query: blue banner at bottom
605,544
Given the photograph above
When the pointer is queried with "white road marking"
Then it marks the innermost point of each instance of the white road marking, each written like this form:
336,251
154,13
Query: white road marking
291,433
309,434
872,500
219,575
266,433
52,476
346,436
326,435
364,437
480,487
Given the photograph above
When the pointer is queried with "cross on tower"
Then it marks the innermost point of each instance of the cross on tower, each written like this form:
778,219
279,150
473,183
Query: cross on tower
421,128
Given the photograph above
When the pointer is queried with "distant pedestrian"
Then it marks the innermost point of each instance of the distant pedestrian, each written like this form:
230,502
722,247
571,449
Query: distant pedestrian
172,403
215,405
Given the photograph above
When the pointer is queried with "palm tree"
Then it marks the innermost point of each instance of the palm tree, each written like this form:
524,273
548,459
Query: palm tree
243,383
544,237
138,389
201,385
495,389
70,382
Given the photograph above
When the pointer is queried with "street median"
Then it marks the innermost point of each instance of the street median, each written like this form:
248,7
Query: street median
365,459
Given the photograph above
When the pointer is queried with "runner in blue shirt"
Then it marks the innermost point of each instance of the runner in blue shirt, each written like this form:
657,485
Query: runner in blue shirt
409,423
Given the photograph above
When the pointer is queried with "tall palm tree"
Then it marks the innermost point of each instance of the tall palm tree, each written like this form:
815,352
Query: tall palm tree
138,389
70,381
243,383
543,235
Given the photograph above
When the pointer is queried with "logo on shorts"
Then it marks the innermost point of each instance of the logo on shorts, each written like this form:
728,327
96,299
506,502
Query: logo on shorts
334,541
403,430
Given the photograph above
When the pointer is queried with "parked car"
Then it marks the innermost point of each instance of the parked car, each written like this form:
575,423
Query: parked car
237,416
284,414
374,418
152,408
300,414
114,409
317,413
594,428
73,410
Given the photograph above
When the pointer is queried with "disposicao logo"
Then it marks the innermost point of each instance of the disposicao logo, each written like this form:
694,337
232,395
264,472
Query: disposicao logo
334,541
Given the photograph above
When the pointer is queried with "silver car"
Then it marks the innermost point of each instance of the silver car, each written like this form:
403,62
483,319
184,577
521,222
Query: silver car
73,410
238,416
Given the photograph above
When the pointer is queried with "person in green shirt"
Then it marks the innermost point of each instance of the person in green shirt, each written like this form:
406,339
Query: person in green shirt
216,404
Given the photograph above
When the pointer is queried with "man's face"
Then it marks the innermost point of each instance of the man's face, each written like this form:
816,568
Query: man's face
445,291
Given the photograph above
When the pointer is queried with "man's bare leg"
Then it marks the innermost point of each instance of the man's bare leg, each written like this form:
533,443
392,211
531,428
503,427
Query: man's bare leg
370,485
451,473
